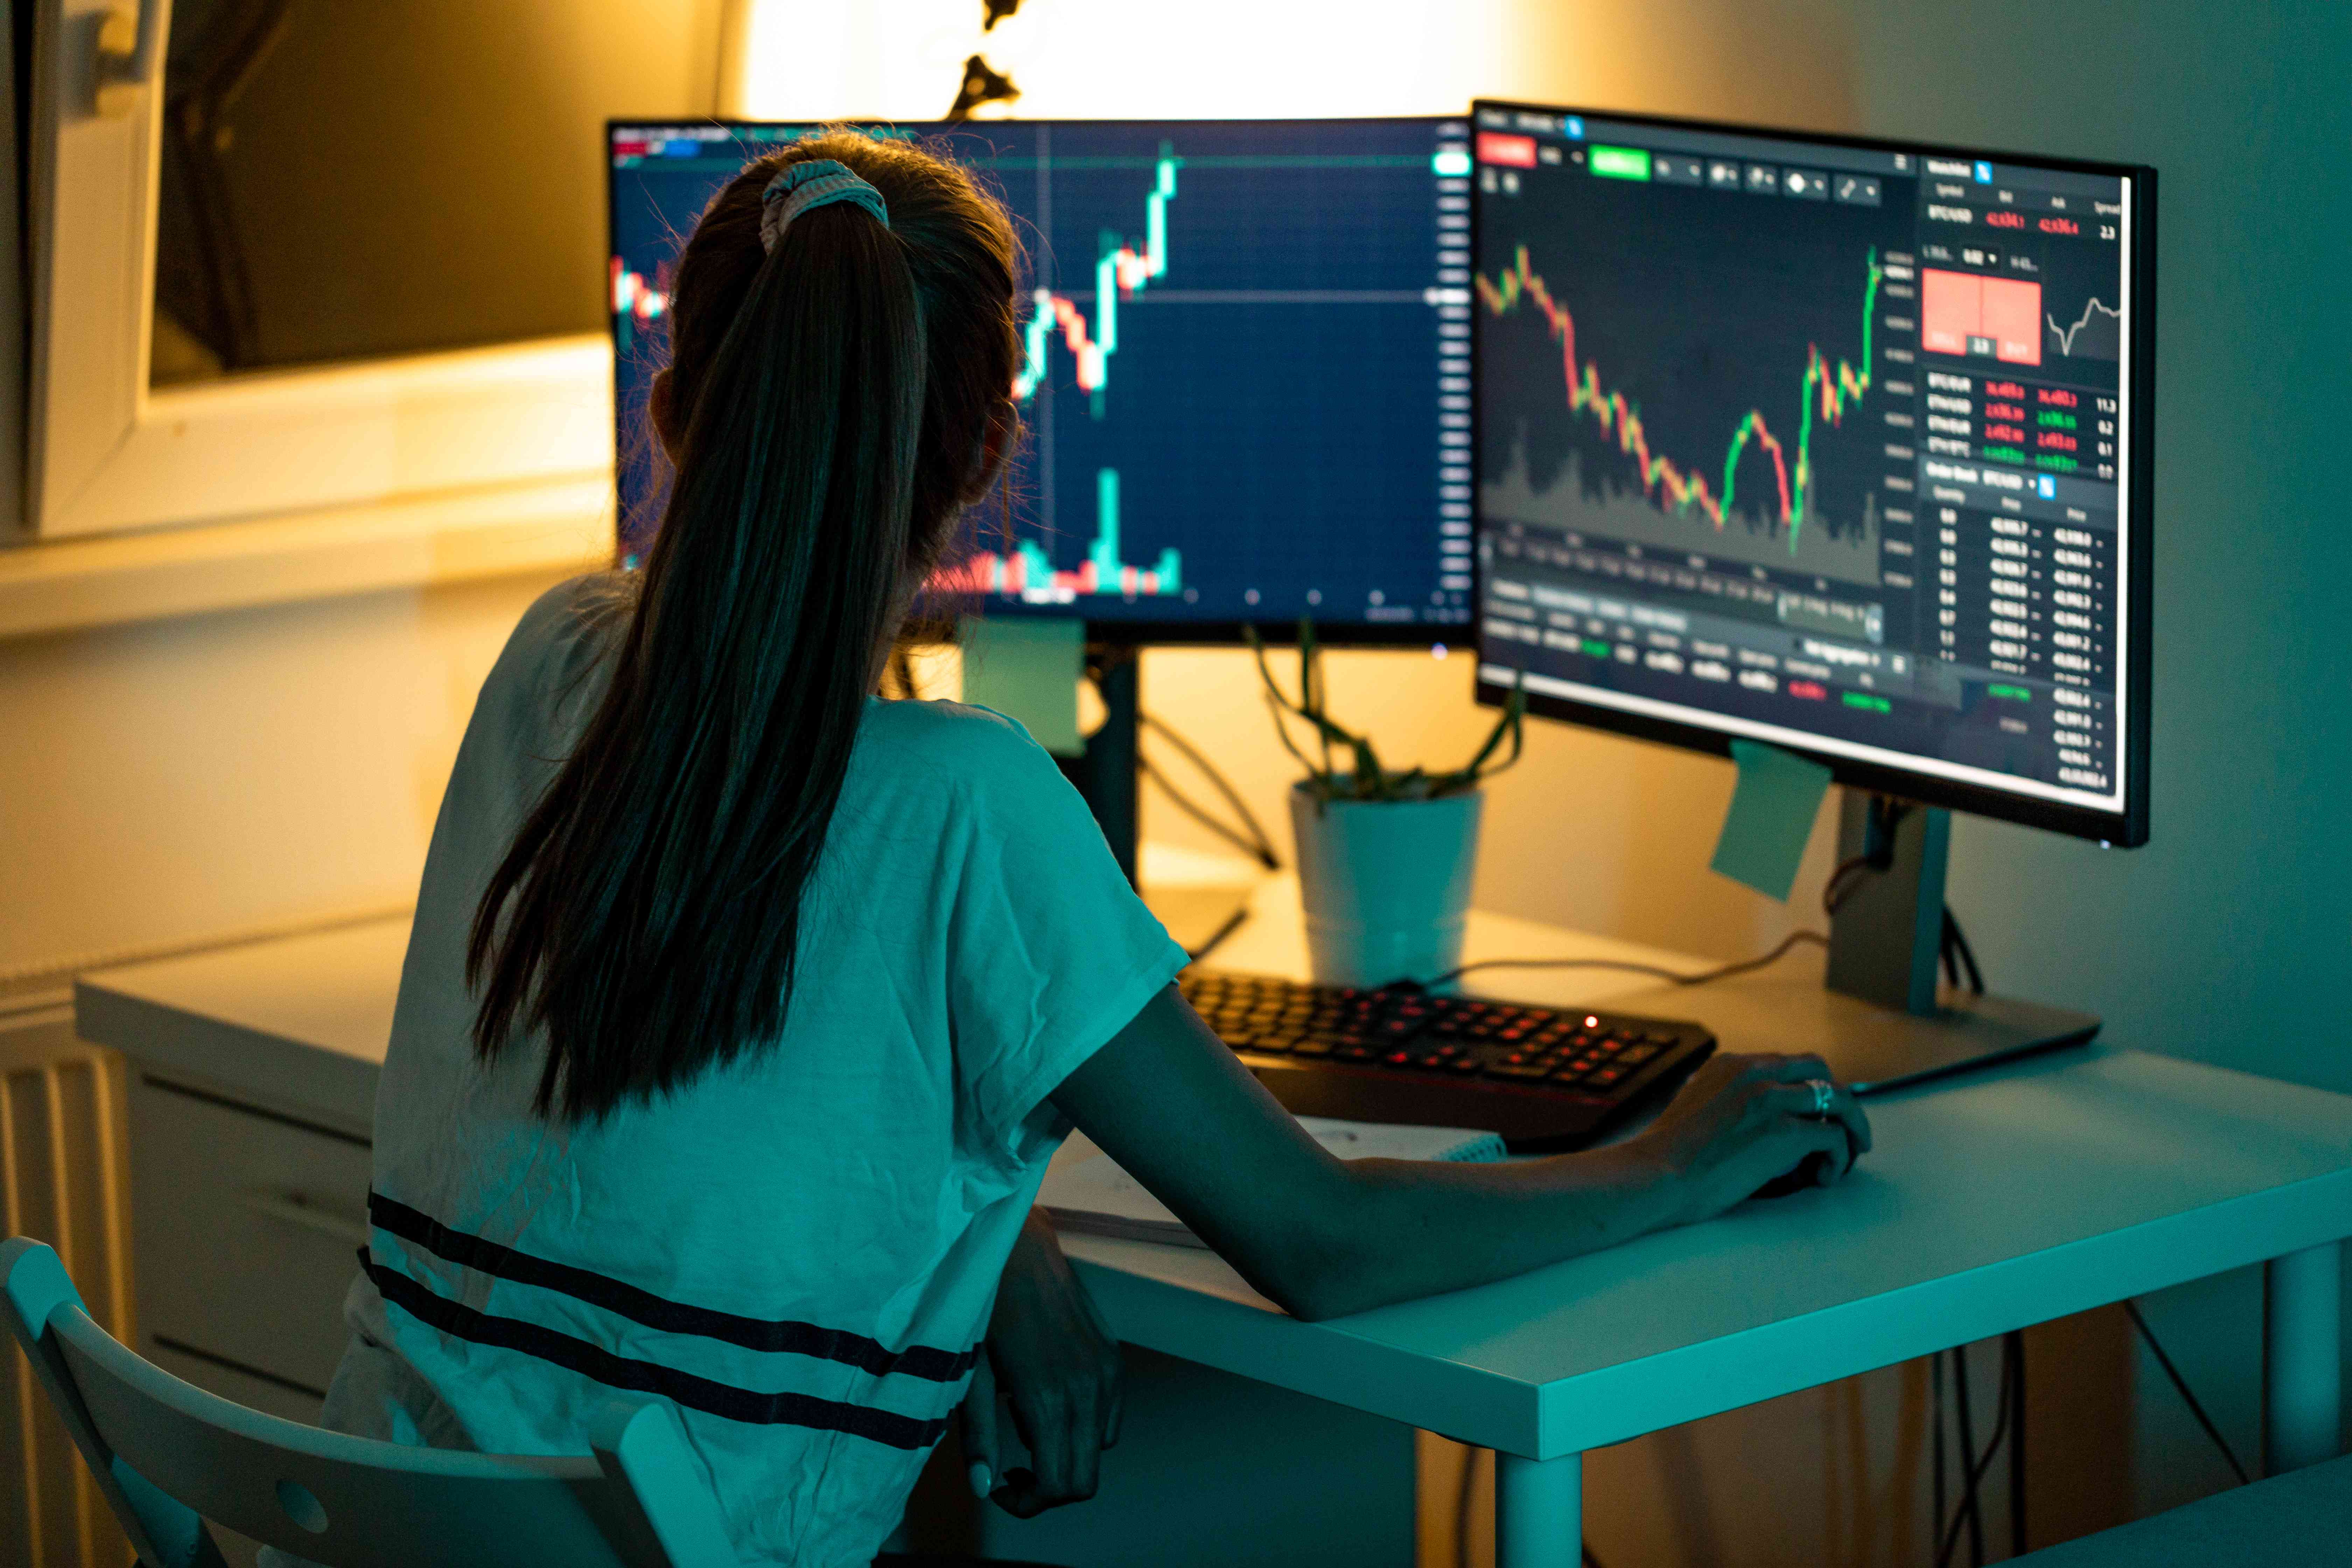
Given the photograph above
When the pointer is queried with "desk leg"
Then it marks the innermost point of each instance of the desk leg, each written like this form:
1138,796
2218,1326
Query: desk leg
2302,1359
1538,1511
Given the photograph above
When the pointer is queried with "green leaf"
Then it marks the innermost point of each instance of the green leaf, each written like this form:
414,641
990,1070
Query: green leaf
1366,779
1266,673
1321,777
1511,722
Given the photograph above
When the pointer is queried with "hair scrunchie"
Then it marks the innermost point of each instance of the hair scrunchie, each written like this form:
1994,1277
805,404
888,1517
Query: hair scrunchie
817,182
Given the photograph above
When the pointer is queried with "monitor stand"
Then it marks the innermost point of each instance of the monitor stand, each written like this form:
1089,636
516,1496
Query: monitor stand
1105,773
1878,1016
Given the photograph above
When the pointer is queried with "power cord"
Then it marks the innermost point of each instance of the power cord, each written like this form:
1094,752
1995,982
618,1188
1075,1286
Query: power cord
1841,882
2014,1354
1958,957
1788,944
2008,1426
1258,845
1935,1423
2187,1397
1968,1512
1885,816
1254,848
1216,939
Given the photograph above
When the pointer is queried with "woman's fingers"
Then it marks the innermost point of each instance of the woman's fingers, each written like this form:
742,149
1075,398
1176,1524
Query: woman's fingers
1788,1084
1019,1495
1057,1366
1114,1407
1848,1111
1062,1427
1110,1392
1797,1068
1085,1426
1110,1371
980,1450
1830,1137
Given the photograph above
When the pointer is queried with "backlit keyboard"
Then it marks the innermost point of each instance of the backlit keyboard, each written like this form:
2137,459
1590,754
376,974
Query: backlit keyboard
1544,1077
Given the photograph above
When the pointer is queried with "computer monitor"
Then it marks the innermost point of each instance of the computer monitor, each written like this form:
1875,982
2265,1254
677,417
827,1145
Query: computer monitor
1247,377
1839,445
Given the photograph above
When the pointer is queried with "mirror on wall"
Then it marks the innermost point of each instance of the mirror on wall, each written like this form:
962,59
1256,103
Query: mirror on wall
343,182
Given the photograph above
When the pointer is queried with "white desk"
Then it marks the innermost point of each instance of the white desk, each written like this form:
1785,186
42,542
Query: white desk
1991,1204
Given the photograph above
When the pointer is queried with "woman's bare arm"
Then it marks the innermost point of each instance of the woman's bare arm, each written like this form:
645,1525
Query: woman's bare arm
1322,1237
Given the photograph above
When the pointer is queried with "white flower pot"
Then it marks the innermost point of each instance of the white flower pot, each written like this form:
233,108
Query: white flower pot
1386,884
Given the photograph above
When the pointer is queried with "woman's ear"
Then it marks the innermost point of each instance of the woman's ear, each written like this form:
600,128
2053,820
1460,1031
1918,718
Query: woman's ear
996,446
662,410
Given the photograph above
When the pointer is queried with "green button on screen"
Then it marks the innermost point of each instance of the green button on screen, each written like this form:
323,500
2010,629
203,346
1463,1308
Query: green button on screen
1621,162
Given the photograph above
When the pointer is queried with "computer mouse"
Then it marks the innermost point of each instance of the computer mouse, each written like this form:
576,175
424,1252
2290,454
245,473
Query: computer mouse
1808,1174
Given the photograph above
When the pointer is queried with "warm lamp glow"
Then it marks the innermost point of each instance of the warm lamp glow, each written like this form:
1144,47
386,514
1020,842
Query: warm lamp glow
832,59
1107,59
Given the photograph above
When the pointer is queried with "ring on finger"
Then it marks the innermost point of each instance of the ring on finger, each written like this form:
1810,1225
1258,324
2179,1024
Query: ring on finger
1824,1093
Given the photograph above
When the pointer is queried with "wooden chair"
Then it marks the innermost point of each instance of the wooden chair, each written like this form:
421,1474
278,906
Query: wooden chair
168,1455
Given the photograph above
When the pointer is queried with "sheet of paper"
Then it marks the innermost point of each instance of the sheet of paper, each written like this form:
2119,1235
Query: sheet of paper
1028,670
1083,1180
1771,816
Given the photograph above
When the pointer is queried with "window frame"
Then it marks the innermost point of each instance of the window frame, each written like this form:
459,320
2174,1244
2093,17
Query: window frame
106,453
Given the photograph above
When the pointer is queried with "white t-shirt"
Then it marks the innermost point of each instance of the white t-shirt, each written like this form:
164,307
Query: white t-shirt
798,1251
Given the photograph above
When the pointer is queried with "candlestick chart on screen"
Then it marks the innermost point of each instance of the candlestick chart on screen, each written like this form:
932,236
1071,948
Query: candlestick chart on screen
1639,396
1024,567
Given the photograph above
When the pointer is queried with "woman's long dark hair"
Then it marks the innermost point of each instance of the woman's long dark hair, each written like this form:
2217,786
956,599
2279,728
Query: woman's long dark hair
832,403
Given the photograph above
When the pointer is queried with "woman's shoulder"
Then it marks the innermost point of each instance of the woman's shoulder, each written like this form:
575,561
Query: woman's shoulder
978,746
559,639
574,611
571,618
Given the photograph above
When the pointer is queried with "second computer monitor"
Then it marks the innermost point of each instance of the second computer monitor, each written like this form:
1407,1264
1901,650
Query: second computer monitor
1245,365
1836,444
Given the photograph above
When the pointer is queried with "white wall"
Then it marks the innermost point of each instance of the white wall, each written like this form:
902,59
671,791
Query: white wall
166,781
2229,938
2241,906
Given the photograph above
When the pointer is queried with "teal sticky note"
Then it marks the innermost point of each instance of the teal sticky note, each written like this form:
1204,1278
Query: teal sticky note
1771,815
1027,670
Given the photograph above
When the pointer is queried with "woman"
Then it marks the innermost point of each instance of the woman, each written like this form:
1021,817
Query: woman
744,1008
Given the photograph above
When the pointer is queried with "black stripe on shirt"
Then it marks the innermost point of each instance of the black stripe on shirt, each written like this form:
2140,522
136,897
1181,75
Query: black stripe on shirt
723,1399
776,1336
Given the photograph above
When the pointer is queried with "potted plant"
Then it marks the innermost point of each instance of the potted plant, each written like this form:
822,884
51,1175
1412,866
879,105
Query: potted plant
1385,857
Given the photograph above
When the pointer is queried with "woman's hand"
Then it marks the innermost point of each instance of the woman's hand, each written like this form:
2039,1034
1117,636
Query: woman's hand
1743,1121
1051,1359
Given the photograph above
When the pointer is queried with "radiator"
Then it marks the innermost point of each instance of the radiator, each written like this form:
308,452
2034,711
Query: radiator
62,1181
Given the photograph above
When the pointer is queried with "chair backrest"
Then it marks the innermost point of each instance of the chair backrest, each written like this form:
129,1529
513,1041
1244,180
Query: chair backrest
167,1455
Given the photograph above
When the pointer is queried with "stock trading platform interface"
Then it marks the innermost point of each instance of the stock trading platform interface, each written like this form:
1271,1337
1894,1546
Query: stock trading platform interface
1244,372
1806,441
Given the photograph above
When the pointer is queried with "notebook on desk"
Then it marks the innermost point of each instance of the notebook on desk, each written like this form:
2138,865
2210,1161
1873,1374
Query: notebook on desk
1085,1190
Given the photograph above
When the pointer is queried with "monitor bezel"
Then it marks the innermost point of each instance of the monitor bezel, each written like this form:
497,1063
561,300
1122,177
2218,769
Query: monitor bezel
1121,632
2126,829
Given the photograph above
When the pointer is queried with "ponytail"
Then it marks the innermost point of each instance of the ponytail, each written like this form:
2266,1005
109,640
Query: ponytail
647,917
